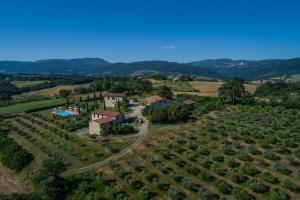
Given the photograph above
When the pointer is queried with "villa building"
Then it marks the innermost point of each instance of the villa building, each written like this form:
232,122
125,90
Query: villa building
111,99
103,117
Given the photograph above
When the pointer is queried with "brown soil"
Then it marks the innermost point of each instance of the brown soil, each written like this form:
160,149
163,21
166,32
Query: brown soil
10,182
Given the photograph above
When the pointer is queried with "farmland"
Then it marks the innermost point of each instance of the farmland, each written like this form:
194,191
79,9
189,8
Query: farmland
10,182
200,88
178,86
50,92
22,84
206,88
242,152
45,140
23,107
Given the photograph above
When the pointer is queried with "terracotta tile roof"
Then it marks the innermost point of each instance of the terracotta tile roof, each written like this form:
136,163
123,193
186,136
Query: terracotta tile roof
105,120
189,102
114,94
106,113
154,99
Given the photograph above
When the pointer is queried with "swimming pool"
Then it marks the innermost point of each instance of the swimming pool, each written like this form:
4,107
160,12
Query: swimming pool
65,113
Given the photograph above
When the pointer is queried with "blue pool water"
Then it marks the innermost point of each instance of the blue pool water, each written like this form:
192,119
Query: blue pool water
65,113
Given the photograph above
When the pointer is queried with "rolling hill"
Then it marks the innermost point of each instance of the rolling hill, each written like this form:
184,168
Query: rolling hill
163,67
82,66
218,68
96,66
252,70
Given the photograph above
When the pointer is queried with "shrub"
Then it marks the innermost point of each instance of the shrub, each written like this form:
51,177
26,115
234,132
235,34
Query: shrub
287,183
253,150
278,194
244,156
175,194
268,177
249,169
223,186
231,162
257,186
205,162
217,156
261,161
12,155
241,194
207,194
237,175
218,169
270,155
203,150
279,166
146,194
189,184
297,152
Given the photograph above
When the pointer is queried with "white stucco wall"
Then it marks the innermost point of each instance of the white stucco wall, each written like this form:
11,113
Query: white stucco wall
111,102
94,128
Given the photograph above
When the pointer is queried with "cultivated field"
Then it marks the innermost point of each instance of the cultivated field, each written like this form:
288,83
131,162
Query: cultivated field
44,139
23,107
200,88
22,84
241,153
206,88
178,86
50,92
10,182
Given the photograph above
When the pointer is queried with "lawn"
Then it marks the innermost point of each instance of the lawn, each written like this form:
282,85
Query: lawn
23,107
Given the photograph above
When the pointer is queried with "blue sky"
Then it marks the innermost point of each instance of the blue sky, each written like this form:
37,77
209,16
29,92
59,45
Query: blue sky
132,30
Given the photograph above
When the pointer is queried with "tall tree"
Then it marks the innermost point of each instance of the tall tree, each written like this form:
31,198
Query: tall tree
165,91
232,91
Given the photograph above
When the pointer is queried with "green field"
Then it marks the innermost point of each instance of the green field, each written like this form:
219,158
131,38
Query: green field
241,153
23,107
23,84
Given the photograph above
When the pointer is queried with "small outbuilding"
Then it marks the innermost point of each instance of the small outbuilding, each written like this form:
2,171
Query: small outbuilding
159,101
190,104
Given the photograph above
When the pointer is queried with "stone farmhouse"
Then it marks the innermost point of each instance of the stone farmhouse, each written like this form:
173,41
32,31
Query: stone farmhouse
111,99
103,117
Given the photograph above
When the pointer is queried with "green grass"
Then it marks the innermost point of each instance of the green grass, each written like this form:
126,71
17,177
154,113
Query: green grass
23,107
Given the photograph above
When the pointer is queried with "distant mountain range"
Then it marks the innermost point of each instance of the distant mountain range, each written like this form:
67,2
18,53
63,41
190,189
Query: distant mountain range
252,70
218,68
96,66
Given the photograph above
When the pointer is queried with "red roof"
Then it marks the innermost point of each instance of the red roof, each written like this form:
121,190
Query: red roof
105,120
106,113
154,99
114,95
189,102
